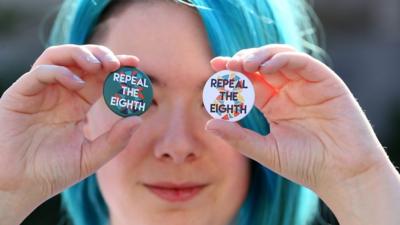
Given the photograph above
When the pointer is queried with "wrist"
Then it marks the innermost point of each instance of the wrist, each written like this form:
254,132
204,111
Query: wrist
371,198
14,208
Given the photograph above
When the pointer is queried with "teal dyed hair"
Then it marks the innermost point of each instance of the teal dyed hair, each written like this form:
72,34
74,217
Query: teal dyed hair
231,25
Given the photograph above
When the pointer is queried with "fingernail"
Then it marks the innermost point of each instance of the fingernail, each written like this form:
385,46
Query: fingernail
92,59
111,58
77,79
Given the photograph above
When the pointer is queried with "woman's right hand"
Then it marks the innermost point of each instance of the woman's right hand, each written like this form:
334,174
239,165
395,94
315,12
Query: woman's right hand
43,148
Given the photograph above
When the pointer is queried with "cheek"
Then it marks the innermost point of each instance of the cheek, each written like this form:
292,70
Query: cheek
235,170
228,157
99,120
117,181
123,170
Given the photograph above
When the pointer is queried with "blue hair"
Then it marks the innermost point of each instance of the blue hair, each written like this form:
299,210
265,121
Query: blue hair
231,25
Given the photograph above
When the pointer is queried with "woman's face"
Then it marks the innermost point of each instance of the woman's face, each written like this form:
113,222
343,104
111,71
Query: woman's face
172,171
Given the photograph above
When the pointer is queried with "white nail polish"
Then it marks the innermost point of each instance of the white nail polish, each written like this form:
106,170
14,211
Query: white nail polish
110,58
92,59
78,79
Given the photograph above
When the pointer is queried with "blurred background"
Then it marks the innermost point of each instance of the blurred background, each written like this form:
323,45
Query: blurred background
362,36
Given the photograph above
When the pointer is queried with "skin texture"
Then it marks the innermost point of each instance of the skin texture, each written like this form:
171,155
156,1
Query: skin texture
58,129
171,145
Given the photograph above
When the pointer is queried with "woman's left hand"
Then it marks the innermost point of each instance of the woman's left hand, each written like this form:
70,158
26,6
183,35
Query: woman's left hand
319,135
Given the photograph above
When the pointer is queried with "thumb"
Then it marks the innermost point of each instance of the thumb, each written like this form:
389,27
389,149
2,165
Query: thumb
102,149
262,149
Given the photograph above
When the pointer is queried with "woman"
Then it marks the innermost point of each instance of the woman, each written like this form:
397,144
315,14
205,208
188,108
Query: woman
174,165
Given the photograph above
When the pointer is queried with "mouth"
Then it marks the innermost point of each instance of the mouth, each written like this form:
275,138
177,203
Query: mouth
172,192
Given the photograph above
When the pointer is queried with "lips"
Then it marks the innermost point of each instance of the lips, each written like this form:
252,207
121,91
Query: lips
175,192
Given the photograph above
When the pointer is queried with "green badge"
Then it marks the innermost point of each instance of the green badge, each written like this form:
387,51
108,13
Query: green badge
128,92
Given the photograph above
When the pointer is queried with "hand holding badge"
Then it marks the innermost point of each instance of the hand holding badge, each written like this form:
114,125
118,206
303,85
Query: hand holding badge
227,95
128,92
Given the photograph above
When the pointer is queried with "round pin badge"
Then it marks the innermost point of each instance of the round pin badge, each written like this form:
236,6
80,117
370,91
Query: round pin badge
128,92
228,95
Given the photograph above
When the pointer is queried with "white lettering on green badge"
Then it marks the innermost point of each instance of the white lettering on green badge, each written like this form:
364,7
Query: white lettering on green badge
128,92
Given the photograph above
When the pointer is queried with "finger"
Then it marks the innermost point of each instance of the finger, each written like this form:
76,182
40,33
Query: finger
248,62
102,149
70,56
263,89
219,63
304,65
109,60
128,60
262,149
277,80
41,76
235,63
93,90
252,61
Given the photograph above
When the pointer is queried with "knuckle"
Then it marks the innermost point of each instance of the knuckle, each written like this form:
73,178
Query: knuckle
100,48
288,47
49,50
80,50
73,49
57,70
37,69
71,46
269,47
287,54
280,56
304,55
239,53
103,48
250,66
57,49
306,59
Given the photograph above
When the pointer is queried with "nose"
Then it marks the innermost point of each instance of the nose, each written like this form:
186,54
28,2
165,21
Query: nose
178,143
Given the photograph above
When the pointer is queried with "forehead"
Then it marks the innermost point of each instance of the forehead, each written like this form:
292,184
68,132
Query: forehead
169,39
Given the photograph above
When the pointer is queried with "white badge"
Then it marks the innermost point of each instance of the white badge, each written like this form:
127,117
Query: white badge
228,95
